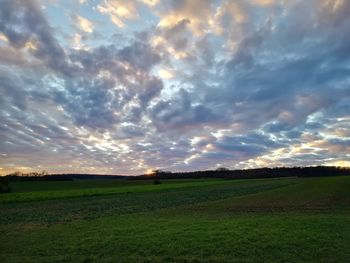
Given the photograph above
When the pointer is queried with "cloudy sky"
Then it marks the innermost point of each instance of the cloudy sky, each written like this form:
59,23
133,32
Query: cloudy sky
120,87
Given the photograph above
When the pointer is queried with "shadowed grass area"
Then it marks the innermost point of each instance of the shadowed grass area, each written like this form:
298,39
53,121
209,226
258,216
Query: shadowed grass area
308,195
284,220
184,238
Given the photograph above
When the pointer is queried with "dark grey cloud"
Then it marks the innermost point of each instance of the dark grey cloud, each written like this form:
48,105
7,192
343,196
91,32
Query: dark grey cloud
12,93
88,102
262,87
91,100
122,94
177,35
22,22
139,55
182,113
152,87
243,147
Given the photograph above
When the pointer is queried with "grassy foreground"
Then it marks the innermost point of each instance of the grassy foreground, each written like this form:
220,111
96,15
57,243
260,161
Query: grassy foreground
267,220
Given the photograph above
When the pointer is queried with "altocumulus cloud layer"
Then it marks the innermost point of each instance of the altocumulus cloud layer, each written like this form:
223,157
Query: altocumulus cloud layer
117,86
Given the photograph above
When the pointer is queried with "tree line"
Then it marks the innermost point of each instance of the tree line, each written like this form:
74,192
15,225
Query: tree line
45,176
312,171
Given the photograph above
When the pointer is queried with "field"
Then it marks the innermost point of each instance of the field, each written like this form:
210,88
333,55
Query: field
263,220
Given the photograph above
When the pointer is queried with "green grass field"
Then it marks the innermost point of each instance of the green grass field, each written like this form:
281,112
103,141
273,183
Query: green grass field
265,220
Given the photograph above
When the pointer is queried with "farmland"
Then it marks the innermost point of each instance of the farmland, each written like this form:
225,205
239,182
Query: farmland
199,220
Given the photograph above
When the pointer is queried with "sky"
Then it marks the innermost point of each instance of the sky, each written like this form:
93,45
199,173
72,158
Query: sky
123,87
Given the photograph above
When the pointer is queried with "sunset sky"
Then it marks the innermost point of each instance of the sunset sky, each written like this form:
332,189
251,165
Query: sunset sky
121,87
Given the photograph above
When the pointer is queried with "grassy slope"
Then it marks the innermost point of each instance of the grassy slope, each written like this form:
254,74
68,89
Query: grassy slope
289,220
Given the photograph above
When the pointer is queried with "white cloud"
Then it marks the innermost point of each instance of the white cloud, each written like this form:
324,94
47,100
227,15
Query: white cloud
118,11
84,24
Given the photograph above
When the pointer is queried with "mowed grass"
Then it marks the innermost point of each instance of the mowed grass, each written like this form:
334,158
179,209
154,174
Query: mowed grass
267,220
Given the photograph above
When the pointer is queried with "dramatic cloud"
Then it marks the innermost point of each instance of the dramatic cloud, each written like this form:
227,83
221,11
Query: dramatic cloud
115,86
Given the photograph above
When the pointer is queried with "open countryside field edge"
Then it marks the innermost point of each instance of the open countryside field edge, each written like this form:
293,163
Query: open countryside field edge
265,220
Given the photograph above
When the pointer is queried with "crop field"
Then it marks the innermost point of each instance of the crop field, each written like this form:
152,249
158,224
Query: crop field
202,220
